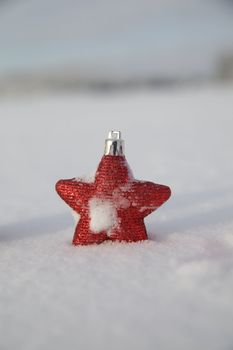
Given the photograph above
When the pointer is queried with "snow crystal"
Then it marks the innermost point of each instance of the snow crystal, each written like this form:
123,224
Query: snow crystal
89,178
122,202
130,173
126,187
103,215
146,208
119,200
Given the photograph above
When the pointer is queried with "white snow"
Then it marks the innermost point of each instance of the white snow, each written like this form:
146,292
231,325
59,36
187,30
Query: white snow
130,172
103,215
171,292
119,200
89,178
146,207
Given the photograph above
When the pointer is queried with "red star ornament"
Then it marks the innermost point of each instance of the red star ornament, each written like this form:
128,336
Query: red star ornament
114,205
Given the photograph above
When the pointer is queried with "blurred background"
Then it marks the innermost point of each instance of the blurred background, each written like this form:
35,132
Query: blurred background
50,45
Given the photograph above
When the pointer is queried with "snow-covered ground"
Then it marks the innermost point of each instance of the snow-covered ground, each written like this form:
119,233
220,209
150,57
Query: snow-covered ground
174,291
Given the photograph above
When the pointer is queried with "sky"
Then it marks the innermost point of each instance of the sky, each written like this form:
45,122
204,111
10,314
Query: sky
135,38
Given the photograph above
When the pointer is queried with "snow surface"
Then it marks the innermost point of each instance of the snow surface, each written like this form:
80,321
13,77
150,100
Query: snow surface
174,291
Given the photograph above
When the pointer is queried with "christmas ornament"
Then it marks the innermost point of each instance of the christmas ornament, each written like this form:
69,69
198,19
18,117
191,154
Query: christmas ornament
114,205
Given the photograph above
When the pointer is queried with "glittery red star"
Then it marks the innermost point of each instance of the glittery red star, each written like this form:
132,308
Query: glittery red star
114,206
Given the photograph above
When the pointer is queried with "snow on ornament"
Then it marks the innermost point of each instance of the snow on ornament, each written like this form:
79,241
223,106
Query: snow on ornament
112,205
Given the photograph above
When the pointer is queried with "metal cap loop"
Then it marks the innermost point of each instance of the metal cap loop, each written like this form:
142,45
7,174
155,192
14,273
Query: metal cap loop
114,145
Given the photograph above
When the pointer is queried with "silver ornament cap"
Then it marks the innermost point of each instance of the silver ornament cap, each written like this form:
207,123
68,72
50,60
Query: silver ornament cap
114,145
